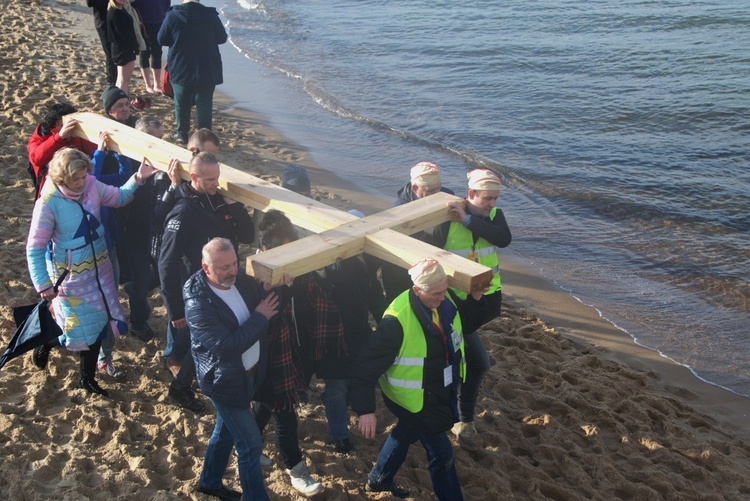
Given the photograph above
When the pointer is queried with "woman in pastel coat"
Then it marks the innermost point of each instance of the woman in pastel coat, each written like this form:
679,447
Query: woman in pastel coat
66,234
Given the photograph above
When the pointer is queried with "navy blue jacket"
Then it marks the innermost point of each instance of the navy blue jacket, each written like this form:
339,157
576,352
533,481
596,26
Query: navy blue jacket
218,341
193,34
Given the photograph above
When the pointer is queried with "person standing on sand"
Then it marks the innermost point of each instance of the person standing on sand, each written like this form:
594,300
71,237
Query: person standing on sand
152,14
477,231
417,356
193,34
308,324
134,223
126,40
100,23
199,215
164,198
227,313
66,234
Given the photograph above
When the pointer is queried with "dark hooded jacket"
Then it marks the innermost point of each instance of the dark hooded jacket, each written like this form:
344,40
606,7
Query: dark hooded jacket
194,220
405,195
193,34
218,341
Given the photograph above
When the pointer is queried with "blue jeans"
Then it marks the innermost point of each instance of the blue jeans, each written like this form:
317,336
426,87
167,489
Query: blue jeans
184,98
178,342
439,455
336,401
235,426
477,366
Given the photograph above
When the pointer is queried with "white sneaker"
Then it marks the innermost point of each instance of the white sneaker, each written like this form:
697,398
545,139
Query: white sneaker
302,481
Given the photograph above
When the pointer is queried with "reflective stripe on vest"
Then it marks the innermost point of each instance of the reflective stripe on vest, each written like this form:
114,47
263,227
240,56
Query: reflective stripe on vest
460,241
404,380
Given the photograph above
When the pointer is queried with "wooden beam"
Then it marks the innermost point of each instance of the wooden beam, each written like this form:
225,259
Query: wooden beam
340,235
373,235
463,274
234,183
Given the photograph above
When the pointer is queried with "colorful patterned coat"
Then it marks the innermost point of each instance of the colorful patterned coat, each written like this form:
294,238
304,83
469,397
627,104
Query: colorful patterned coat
59,238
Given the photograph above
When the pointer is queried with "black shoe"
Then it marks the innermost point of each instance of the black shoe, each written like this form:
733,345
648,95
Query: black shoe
40,356
343,446
142,332
91,386
186,399
396,491
178,138
223,493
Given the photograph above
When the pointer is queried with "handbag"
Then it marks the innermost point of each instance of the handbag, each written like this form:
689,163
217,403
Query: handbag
165,84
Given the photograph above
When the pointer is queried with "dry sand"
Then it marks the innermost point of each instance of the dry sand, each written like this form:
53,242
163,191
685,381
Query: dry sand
574,411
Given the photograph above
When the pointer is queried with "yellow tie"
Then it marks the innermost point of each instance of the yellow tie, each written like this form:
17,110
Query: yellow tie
436,320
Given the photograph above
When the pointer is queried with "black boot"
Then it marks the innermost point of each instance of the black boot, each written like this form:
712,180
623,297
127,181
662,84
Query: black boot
91,386
40,356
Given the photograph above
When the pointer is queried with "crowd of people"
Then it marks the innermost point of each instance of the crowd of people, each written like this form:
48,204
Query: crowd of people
101,220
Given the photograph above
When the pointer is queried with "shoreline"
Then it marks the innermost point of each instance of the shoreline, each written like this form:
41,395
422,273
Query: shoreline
572,407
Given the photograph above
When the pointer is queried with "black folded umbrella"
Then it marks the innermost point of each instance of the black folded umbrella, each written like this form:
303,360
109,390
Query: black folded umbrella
35,326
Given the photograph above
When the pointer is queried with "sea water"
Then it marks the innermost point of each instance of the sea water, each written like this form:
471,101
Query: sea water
621,130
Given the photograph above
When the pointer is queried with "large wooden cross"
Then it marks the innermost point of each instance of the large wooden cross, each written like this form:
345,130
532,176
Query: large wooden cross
338,235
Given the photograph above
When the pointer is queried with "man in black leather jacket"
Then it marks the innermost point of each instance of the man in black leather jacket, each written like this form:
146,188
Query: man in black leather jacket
199,215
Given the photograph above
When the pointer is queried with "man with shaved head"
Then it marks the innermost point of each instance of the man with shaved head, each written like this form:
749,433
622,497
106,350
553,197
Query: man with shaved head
199,215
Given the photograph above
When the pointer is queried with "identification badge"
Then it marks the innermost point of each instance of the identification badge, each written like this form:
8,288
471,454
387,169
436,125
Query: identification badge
448,375
473,256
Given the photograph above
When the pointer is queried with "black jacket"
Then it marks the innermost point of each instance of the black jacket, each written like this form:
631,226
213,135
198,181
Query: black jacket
382,348
218,341
193,33
495,231
349,284
405,195
194,220
100,12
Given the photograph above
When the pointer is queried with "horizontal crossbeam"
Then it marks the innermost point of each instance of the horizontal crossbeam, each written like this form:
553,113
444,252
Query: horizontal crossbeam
339,235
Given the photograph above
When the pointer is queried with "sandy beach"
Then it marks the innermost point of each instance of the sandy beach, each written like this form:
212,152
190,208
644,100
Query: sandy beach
571,409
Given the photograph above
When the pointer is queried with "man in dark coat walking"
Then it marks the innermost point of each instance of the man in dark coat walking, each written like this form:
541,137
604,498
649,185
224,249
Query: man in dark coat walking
193,34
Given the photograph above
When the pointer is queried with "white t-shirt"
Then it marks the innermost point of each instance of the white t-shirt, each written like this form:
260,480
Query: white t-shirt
233,299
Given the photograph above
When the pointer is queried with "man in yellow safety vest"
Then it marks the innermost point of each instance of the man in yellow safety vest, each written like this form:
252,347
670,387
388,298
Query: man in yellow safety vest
417,356
477,231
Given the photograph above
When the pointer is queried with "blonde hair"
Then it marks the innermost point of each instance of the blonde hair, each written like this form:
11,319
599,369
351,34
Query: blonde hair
67,162
114,5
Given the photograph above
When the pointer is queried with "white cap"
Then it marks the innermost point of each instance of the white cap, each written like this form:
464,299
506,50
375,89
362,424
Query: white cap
426,272
483,179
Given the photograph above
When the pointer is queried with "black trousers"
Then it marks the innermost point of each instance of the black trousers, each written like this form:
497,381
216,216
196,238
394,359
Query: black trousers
111,67
88,357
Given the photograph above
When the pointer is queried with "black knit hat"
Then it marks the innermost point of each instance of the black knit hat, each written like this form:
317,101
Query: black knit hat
111,95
